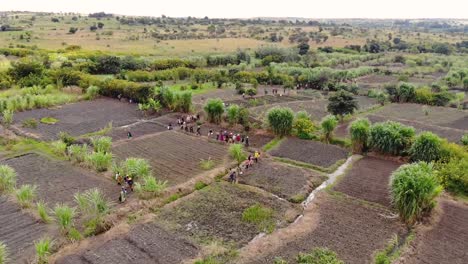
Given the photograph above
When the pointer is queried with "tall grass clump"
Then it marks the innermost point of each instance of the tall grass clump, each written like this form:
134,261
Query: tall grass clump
92,92
359,133
207,164
78,153
26,194
232,114
59,147
42,211
236,151
94,206
7,115
101,144
136,167
413,189
3,253
214,109
280,120
260,216
7,178
391,137
426,147
43,250
64,216
319,256
328,125
149,187
99,161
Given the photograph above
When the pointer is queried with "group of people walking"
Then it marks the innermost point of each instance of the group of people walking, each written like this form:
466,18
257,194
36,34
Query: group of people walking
126,183
230,137
251,159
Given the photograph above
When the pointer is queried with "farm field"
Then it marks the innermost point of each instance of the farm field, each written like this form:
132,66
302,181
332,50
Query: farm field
145,244
58,181
19,231
79,118
215,213
174,156
139,129
286,181
351,229
310,152
368,179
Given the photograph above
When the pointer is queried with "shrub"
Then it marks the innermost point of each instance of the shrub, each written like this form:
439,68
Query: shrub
328,125
136,167
233,114
319,256
7,178
464,140
414,188
92,92
426,147
101,144
26,194
149,187
43,250
214,108
237,153
99,161
64,216
260,216
304,128
7,117
3,253
42,211
78,153
391,137
359,133
280,120
453,175
342,103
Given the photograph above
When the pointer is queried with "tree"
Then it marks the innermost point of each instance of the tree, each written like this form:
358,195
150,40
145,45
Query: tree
214,108
72,30
359,132
391,137
100,25
233,114
108,65
426,147
342,103
414,188
303,48
328,125
93,28
406,92
280,120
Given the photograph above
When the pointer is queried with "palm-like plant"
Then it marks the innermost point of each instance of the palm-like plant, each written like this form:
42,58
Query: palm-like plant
359,132
328,125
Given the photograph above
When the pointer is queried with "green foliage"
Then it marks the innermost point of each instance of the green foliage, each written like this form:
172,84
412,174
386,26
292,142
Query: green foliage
359,132
342,103
3,253
49,120
42,211
7,178
237,153
7,117
233,114
99,161
92,92
74,235
273,143
207,164
304,128
464,139
78,153
391,137
59,147
328,125
101,144
26,194
94,206
426,147
414,188
453,175
64,216
66,138
136,167
280,120
260,216
214,109
149,187
43,250
30,123
319,256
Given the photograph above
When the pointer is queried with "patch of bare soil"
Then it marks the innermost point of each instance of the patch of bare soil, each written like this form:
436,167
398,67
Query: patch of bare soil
369,179
215,213
309,151
58,181
19,230
446,242
145,244
288,182
138,130
353,230
80,118
174,156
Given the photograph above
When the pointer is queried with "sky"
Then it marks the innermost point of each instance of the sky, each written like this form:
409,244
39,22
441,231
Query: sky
253,8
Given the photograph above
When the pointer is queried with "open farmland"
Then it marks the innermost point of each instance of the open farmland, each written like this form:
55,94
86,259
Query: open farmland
286,181
216,214
79,118
310,152
19,231
369,180
174,156
138,130
144,244
353,230
58,181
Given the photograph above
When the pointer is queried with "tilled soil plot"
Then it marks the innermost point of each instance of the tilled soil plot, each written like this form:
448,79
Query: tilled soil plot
215,212
286,181
446,242
58,181
369,179
174,156
309,151
225,94
137,130
144,244
80,118
19,230
451,134
345,226
265,100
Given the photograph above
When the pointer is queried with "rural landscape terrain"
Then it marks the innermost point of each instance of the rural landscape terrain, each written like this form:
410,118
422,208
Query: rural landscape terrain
139,140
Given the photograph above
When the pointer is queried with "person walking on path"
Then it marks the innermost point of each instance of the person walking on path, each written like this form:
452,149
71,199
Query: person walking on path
123,195
247,141
256,156
129,135
198,130
232,177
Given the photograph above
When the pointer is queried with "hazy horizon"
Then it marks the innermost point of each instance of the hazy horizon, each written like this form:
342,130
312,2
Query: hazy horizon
332,9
